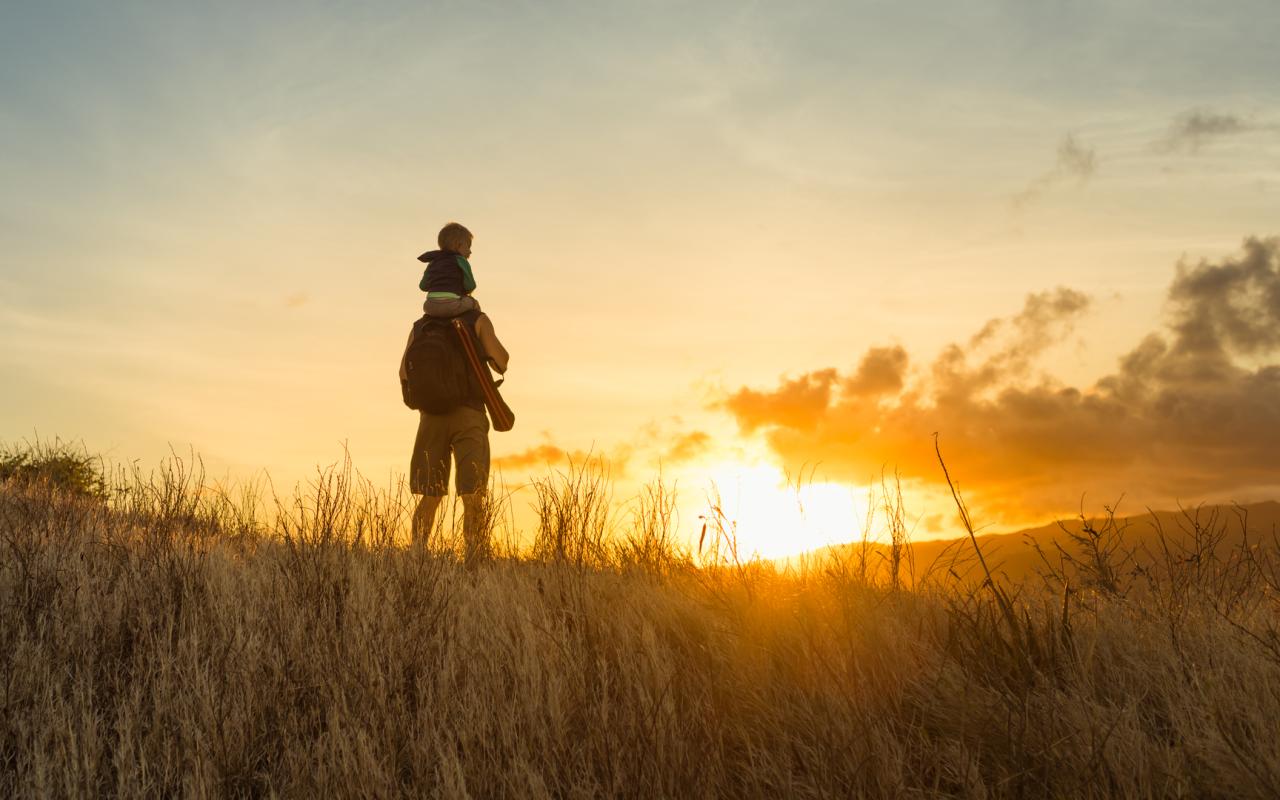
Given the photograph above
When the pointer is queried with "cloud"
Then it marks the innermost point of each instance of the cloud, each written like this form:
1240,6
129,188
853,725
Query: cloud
881,372
549,455
655,444
1192,130
540,455
1074,161
1009,347
687,447
797,403
1192,410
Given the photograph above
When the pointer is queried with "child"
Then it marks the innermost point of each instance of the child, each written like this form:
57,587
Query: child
447,279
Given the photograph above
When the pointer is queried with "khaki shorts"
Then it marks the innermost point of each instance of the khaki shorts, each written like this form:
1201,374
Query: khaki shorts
462,433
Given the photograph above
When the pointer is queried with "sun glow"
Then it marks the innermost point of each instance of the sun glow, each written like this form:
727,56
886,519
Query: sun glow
773,516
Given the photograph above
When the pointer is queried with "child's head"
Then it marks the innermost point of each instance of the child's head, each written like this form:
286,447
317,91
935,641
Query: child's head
456,239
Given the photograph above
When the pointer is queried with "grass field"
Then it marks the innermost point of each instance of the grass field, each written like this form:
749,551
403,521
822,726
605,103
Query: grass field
160,636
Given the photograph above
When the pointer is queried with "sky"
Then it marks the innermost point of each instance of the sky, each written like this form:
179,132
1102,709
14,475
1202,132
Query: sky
725,241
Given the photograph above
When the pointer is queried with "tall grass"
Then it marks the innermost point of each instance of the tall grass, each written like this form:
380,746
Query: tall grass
169,636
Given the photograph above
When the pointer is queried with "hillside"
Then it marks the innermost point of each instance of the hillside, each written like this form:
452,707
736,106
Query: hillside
1139,541
160,637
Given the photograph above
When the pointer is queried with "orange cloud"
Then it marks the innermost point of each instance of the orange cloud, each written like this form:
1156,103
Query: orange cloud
537,456
551,455
688,446
797,403
882,371
1192,410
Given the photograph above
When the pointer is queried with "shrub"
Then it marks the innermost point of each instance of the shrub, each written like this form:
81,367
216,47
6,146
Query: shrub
65,466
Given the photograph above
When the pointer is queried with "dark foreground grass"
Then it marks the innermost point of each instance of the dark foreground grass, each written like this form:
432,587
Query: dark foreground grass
163,637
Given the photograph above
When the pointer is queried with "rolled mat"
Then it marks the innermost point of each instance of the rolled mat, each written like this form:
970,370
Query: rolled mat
499,412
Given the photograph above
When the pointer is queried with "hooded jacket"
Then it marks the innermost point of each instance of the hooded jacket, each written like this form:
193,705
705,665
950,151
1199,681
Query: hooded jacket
447,272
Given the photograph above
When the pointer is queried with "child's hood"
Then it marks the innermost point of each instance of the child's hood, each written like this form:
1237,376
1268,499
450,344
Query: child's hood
436,255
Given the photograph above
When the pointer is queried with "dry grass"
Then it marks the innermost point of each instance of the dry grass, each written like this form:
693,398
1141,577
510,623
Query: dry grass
165,637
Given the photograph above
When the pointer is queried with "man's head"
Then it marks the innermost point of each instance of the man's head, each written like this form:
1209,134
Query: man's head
456,239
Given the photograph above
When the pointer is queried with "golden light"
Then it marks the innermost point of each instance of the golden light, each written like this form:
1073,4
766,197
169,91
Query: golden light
774,517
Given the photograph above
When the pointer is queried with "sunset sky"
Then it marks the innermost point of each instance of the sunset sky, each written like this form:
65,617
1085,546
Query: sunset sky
735,239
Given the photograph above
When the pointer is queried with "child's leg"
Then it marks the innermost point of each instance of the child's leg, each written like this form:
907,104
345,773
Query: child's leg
449,306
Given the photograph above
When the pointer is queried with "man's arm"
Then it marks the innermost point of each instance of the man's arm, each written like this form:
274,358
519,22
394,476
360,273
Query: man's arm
404,373
498,355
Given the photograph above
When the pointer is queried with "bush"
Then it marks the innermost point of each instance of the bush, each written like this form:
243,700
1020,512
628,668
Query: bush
65,466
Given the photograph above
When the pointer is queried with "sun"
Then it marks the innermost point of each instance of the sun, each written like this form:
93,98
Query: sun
772,517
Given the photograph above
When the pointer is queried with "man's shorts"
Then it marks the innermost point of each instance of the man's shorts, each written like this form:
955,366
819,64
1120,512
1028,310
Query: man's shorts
464,433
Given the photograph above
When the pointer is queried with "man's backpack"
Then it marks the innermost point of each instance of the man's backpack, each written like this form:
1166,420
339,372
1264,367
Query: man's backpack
437,378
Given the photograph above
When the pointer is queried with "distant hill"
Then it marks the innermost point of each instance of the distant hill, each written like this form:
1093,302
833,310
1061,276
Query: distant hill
1013,556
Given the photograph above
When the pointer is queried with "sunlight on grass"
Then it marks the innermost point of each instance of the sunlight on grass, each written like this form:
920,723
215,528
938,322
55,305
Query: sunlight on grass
166,636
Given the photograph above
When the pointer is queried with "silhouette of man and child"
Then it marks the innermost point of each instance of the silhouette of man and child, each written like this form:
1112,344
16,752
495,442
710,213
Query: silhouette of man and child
460,434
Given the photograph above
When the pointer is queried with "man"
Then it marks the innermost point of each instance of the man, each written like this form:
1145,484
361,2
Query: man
461,435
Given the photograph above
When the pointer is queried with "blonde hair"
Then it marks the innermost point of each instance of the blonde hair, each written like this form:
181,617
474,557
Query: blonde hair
453,237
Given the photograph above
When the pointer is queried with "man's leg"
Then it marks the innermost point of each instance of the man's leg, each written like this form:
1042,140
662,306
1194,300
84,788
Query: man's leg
424,516
470,445
475,529
429,473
